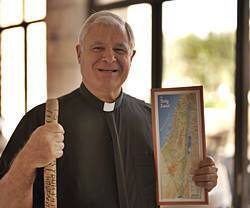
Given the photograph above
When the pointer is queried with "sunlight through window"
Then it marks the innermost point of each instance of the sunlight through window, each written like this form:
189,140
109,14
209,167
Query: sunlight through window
11,12
34,10
23,59
12,78
36,64
199,49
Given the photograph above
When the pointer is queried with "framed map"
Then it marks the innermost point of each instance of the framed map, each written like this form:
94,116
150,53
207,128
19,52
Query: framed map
179,144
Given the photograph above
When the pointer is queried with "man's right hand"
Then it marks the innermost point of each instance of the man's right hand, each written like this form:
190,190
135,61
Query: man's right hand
44,145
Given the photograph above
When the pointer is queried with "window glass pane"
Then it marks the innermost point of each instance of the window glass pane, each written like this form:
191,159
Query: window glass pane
199,49
138,83
100,2
36,64
11,12
12,78
34,10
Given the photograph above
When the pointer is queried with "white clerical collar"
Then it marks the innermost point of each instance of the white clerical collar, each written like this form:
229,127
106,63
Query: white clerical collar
97,103
108,107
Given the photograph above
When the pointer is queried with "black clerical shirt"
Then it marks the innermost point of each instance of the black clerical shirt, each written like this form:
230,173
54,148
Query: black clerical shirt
108,156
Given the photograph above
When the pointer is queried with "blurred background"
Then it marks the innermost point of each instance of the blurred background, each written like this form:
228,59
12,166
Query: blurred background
178,43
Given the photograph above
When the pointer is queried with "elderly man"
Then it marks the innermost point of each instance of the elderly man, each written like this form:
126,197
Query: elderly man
103,139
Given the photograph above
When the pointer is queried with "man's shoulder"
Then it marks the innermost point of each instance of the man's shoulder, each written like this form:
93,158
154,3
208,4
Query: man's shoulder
37,112
69,96
137,103
69,99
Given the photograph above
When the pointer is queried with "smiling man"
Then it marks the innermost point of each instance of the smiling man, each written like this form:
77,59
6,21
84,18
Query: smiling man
103,140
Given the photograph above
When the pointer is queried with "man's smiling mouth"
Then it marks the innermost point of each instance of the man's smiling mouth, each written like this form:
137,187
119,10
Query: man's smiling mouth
107,70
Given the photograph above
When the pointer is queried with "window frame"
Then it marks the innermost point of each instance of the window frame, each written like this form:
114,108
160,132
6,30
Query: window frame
24,24
242,76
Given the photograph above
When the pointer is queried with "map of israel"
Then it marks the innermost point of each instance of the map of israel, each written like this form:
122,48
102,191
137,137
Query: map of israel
180,152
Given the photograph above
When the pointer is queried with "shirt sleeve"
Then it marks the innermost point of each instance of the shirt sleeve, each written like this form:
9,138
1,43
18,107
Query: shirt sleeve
20,136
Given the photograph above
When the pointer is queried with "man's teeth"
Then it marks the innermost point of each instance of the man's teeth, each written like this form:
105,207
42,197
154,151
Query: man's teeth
112,70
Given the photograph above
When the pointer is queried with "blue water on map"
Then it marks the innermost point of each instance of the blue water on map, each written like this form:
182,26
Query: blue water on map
166,107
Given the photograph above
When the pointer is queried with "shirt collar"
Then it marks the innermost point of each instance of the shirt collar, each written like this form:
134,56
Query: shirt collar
97,103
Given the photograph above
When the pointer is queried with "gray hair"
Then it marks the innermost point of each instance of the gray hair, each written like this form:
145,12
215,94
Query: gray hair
107,18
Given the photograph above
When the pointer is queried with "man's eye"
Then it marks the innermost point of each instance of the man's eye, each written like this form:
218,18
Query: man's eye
97,48
120,50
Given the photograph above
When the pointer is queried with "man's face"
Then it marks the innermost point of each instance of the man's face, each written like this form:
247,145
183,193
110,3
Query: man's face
105,58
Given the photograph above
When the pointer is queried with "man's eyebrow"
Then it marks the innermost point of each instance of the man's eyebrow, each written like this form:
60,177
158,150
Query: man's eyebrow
96,43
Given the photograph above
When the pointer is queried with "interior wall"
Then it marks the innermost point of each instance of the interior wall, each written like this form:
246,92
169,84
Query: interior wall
63,22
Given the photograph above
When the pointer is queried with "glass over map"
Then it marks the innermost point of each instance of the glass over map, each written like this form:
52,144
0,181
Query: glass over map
179,144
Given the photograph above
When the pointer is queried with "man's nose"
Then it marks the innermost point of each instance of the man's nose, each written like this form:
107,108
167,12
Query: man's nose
109,56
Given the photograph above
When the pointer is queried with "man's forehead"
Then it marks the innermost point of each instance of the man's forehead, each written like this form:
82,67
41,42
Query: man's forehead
117,28
96,35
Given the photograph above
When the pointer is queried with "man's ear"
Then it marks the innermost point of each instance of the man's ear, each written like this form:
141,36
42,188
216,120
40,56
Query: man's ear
132,56
78,52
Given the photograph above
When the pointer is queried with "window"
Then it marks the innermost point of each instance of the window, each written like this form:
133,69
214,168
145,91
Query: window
23,59
200,50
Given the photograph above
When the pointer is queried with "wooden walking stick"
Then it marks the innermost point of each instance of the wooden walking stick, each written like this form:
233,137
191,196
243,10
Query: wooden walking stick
50,196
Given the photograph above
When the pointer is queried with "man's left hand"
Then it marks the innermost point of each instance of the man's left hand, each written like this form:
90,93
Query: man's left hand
206,175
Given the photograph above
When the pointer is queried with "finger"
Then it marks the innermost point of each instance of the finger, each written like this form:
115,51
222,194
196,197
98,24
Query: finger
58,137
59,146
60,128
205,178
54,128
208,161
207,185
58,154
206,170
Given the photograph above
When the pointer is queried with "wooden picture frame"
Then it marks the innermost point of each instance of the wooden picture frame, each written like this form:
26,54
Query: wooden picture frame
179,144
